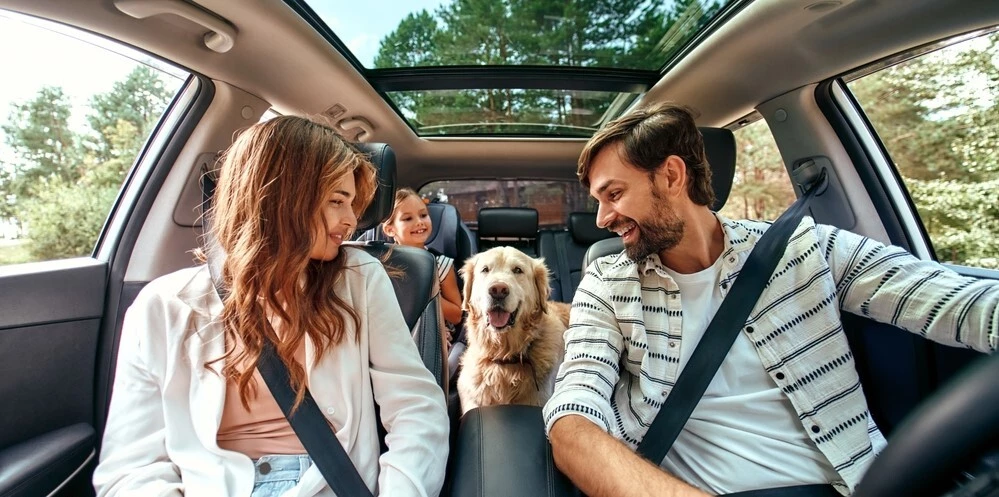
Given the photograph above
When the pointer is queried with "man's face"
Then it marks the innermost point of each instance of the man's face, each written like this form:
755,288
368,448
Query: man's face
633,205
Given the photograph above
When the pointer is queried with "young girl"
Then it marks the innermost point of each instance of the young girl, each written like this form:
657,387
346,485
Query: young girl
410,225
190,413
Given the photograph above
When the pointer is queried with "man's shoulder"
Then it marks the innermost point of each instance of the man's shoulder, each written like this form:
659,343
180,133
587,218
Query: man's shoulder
740,232
613,265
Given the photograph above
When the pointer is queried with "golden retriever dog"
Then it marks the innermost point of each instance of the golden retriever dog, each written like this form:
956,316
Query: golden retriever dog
515,343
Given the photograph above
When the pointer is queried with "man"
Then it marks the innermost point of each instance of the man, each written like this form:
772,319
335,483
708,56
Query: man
786,406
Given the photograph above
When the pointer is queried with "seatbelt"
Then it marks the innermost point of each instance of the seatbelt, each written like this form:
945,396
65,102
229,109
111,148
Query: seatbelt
565,277
307,422
725,326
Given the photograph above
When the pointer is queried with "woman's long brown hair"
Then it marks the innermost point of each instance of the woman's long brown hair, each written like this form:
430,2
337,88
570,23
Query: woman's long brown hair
274,180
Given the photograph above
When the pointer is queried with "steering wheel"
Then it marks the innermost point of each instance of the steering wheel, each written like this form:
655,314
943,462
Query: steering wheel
960,420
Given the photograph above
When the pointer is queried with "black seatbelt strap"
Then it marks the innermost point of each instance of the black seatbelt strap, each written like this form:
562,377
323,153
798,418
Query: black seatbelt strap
311,427
565,277
725,326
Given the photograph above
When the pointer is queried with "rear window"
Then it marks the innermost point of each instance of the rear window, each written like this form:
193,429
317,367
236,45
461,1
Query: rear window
554,199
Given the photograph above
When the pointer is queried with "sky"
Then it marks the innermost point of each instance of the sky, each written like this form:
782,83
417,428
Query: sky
46,55
362,29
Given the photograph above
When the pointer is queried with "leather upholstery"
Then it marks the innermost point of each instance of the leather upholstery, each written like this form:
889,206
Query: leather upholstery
515,222
509,226
382,156
602,248
412,270
26,469
450,236
564,251
583,228
502,451
719,146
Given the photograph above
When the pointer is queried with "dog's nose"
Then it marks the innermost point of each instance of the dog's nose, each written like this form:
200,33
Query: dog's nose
499,291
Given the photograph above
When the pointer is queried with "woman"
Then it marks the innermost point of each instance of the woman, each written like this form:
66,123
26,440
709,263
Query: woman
190,414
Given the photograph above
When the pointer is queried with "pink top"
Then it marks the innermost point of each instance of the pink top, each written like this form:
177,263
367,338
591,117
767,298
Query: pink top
262,429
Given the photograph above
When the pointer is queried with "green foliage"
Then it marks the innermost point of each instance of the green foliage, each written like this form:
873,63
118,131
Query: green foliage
588,33
46,149
65,219
138,100
761,189
938,116
62,186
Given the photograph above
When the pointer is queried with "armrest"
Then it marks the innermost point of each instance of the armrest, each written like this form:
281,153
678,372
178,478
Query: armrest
40,465
502,451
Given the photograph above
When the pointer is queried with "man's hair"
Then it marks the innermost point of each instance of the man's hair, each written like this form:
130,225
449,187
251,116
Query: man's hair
649,136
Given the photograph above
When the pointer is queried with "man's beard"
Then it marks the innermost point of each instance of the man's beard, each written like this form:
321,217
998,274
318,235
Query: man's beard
662,231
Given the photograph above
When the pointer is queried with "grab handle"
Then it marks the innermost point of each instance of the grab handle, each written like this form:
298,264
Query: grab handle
221,36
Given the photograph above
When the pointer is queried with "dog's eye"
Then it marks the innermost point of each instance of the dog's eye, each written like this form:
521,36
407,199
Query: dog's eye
517,270
485,269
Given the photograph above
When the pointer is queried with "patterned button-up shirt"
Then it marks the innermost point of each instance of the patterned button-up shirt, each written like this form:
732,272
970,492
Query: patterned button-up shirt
619,366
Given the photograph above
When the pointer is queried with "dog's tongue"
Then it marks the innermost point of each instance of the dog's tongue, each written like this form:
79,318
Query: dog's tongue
499,319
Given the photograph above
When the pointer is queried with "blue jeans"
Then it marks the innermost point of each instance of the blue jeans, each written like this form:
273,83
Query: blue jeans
273,475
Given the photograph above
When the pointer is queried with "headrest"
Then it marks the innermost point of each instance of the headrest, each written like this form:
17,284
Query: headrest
518,222
584,230
602,248
719,145
445,219
383,158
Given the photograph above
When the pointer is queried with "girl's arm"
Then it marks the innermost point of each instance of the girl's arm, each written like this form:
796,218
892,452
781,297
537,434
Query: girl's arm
451,303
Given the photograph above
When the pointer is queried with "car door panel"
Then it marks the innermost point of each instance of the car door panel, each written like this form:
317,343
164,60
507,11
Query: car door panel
50,317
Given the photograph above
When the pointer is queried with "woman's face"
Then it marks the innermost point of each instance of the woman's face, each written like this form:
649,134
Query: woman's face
411,224
335,221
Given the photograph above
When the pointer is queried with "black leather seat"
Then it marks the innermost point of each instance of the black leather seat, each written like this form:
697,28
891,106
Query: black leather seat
719,144
450,235
564,251
415,273
509,226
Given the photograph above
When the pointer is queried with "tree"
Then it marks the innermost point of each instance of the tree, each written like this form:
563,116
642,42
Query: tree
761,189
938,116
60,190
412,44
38,133
587,33
139,100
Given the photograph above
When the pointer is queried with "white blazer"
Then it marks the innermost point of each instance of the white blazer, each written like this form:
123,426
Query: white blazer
160,437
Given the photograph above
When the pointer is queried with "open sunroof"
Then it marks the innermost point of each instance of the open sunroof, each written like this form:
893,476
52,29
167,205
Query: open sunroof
511,67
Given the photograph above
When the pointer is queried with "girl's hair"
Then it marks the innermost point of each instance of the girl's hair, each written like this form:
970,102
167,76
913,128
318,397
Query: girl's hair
400,196
274,180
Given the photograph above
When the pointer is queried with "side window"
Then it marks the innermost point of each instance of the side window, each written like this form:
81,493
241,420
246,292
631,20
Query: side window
70,129
761,188
937,115
553,199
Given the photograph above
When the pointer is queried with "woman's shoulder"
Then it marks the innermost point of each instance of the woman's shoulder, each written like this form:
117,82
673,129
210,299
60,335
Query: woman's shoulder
359,259
188,286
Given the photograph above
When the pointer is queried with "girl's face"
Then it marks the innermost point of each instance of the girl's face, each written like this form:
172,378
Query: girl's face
335,221
411,223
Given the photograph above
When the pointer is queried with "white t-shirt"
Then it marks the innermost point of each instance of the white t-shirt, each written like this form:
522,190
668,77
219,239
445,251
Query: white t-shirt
743,429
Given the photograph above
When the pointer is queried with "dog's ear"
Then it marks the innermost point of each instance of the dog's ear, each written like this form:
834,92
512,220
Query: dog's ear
541,282
467,274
